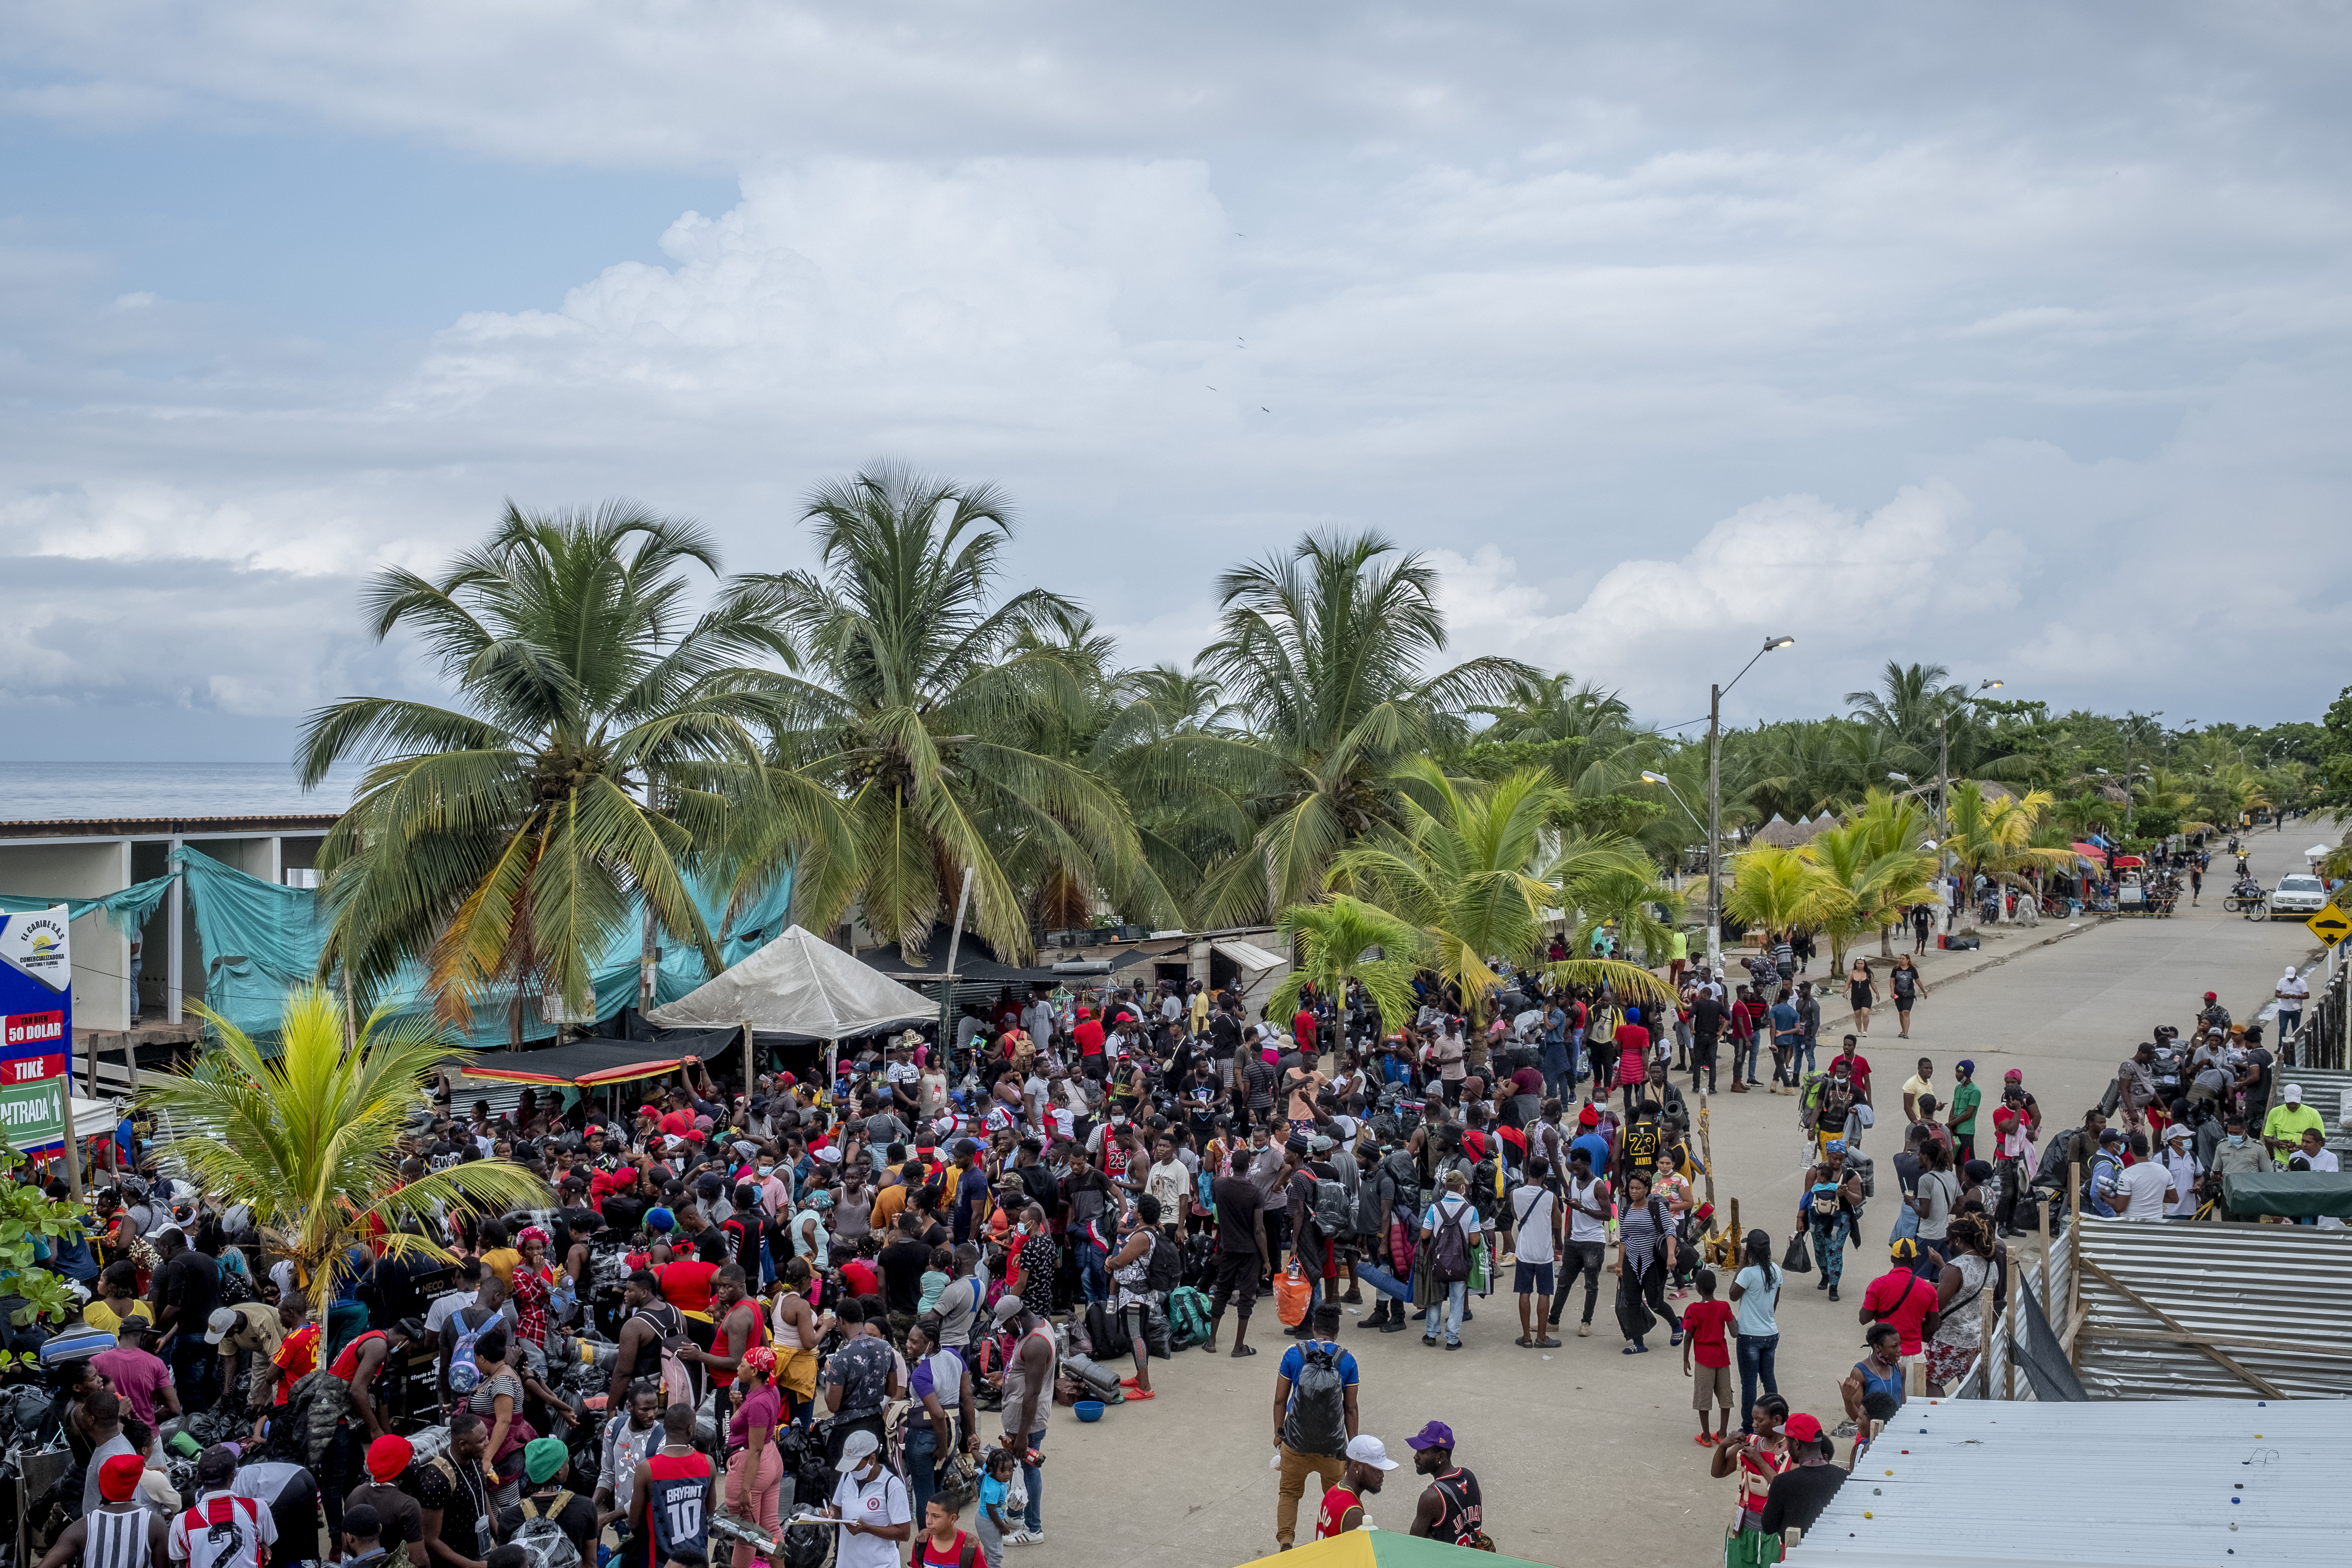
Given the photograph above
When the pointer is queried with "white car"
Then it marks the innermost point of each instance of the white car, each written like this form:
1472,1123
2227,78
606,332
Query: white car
2298,893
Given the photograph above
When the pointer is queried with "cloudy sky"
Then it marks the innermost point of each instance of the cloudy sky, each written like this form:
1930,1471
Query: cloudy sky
2013,337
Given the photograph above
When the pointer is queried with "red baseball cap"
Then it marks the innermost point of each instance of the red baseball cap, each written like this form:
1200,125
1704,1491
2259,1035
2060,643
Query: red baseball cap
1802,1427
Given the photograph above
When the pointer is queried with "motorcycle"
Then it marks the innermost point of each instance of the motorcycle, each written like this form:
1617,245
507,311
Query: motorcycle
2249,898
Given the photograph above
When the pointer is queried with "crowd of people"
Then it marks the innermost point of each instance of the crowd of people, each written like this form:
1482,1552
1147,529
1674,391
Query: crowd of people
868,1293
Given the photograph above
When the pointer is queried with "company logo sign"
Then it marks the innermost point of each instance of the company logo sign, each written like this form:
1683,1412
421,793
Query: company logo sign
37,945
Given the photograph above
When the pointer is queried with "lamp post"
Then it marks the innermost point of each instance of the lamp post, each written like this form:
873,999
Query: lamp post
1715,805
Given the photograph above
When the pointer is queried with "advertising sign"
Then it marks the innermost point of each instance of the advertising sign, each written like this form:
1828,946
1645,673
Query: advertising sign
35,1026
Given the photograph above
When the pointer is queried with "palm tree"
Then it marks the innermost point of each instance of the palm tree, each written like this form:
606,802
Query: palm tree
309,1137
1995,838
1774,888
1910,700
606,740
924,698
1325,649
1463,863
1623,898
1872,864
1334,939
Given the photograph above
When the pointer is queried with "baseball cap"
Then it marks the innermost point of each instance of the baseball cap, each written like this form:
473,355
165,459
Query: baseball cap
1436,1434
1367,1449
1008,1308
854,1450
2174,1133
2210,997
1903,1251
1802,1427
2014,1075
2112,1135
219,1326
2294,1093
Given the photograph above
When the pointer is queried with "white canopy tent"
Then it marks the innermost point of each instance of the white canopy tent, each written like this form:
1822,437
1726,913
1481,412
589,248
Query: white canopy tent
798,985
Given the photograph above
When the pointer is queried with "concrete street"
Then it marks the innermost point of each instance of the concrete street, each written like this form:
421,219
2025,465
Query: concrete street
1583,1452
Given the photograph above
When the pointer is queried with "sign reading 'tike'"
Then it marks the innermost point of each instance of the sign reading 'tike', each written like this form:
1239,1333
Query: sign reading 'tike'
35,1026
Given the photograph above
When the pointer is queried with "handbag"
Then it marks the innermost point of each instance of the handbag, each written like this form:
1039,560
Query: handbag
1798,1259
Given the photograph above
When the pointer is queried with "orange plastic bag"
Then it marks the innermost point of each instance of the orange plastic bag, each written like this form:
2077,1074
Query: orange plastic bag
1290,1295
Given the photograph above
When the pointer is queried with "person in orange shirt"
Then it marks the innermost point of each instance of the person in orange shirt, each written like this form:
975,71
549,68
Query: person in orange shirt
298,1353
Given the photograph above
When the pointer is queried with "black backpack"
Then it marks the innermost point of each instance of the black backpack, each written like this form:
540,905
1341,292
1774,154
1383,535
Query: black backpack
1317,1419
1165,1269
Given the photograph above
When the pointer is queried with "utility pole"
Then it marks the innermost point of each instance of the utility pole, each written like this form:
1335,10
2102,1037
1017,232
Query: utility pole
1715,830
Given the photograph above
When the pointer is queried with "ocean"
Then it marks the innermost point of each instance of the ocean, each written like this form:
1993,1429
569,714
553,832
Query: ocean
50,792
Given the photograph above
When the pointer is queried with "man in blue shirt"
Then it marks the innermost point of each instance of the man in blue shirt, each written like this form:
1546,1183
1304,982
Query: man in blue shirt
1787,1034
1597,1151
1304,1436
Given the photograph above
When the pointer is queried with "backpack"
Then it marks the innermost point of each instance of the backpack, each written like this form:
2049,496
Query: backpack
1402,1178
1164,1271
1188,1316
1449,1249
1335,1211
1316,1422
541,1536
465,1374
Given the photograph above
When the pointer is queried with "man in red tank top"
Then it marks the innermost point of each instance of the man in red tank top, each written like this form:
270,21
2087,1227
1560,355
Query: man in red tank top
739,1327
1343,1505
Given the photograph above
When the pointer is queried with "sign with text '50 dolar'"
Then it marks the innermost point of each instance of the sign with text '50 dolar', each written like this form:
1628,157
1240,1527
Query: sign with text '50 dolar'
35,1026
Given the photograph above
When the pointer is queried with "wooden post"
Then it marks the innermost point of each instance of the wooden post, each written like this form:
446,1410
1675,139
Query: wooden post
2049,1304
72,1150
91,1048
2009,1335
747,1069
2074,1257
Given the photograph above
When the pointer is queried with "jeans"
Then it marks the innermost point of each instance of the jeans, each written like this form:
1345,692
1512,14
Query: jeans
196,1370
1455,1295
1755,1049
1756,1352
923,1461
1093,1282
1034,1521
1701,1060
1380,1279
1581,1257
1811,1042
2289,1020
1829,1245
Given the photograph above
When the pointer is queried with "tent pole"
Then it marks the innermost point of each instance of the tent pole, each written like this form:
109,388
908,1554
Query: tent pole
832,1064
747,1067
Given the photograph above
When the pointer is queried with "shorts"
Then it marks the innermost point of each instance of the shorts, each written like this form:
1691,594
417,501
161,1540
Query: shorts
1531,1278
1710,1385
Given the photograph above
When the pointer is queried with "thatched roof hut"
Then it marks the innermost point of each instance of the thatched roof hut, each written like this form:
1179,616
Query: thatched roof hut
1780,832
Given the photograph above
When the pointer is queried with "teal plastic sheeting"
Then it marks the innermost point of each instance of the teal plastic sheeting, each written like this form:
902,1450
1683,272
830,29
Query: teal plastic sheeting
126,912
262,941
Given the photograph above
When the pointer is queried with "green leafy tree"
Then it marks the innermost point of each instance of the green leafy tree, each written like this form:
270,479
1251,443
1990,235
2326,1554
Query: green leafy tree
1325,649
1340,939
925,698
28,1214
1875,864
605,734
310,1138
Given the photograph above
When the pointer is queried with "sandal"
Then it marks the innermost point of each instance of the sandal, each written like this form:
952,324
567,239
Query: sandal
1524,1342
1546,1344
1239,1351
1141,1393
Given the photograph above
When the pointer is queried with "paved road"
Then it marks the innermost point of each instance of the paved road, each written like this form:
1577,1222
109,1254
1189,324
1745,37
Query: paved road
1583,1451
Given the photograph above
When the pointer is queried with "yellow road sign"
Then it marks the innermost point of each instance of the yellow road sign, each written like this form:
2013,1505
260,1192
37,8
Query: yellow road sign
2330,925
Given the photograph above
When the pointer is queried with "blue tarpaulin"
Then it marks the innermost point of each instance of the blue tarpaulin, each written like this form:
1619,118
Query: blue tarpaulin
126,912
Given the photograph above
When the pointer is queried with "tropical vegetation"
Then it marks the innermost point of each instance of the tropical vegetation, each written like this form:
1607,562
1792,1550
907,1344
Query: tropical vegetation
307,1134
626,722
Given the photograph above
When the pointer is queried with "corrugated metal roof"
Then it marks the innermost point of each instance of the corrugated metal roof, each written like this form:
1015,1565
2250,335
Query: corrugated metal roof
2222,1483
2283,1284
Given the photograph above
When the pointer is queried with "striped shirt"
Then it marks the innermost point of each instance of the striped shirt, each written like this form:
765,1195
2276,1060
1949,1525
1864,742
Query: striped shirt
116,1539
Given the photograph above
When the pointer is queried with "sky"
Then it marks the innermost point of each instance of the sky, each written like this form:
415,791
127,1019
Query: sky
2015,338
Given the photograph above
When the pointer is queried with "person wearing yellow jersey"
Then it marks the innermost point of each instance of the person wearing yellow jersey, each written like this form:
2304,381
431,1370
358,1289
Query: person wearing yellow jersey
117,1298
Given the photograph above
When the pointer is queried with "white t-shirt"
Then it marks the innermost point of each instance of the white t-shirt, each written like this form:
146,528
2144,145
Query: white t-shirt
1531,1211
2292,990
882,1500
2182,1168
223,1532
2139,1191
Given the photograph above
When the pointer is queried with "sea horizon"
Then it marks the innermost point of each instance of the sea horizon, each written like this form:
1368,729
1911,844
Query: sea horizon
73,792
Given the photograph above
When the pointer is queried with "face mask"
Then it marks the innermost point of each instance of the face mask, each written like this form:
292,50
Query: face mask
2237,1139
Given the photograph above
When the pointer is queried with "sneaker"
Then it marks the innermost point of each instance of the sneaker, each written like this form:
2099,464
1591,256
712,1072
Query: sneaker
1584,1331
1833,1292
1822,1284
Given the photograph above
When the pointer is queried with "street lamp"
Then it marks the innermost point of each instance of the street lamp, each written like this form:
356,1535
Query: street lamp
1714,805
1662,779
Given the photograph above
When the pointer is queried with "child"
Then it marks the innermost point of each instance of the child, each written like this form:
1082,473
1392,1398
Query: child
1704,1325
1878,1408
994,1486
936,1278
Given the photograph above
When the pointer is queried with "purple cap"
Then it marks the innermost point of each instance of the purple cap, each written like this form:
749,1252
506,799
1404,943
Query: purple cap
1436,1434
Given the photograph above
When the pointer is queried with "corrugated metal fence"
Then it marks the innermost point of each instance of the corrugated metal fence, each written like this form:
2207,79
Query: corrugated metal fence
2267,1303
